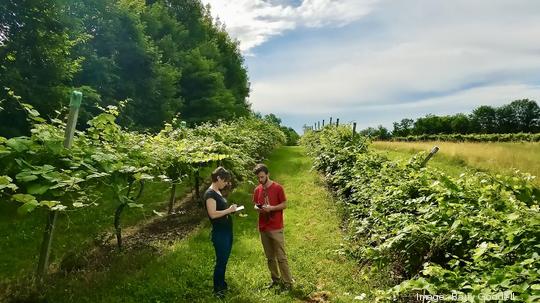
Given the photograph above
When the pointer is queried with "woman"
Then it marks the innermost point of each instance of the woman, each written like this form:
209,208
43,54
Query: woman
222,235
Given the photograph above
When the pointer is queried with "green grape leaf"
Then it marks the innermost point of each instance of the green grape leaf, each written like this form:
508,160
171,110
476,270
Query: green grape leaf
24,198
49,204
26,176
59,207
27,208
18,144
5,182
37,188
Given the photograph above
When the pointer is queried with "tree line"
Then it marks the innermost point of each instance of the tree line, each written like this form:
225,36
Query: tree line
292,137
159,59
519,116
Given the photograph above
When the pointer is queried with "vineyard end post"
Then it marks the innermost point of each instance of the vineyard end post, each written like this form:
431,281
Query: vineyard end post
433,151
74,105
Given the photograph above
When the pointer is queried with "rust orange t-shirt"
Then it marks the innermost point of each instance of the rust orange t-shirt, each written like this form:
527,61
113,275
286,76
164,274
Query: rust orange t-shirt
276,195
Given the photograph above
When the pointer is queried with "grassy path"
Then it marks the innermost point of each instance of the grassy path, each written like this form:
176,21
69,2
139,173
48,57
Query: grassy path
180,271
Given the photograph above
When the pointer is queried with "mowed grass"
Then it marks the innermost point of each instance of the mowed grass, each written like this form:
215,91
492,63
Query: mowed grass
492,157
182,270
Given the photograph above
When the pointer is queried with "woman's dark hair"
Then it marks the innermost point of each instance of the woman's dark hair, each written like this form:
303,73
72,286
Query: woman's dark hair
260,168
222,173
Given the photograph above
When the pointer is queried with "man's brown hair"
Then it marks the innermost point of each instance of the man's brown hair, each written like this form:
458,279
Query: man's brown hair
260,168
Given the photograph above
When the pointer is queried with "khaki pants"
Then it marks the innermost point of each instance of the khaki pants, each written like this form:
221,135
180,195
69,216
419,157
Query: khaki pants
274,248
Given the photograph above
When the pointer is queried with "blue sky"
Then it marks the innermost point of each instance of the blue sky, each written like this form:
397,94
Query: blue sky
375,62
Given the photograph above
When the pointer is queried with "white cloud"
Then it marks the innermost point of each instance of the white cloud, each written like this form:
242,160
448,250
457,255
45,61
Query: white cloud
465,100
385,114
316,13
253,22
386,60
389,77
460,102
438,51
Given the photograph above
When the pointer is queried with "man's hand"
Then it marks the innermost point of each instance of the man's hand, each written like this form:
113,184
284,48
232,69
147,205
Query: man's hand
259,208
267,209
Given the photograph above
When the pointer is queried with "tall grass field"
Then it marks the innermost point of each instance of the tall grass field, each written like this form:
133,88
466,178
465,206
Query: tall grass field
493,157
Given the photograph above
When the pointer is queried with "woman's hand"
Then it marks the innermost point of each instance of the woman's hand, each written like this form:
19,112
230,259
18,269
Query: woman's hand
232,208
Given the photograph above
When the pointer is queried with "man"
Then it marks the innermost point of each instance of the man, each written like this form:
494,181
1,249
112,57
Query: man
270,201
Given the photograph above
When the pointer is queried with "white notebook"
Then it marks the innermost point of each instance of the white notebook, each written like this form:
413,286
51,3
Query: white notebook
240,208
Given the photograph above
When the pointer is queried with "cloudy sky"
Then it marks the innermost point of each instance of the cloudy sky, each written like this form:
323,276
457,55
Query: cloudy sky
376,62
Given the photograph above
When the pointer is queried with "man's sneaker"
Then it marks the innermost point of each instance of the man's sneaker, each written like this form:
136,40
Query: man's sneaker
272,285
286,286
